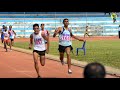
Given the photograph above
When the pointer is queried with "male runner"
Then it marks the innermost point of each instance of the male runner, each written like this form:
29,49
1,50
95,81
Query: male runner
12,34
46,33
6,39
37,39
65,44
2,36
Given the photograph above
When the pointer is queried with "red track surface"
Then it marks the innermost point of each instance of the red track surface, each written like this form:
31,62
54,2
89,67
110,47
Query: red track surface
15,64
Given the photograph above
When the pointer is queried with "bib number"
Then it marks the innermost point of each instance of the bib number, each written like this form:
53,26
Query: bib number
65,38
38,41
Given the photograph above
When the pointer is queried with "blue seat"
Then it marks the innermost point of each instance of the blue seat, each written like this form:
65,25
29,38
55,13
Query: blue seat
83,48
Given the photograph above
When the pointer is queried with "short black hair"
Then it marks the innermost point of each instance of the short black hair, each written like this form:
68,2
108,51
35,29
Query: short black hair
35,25
94,70
3,25
10,25
42,24
65,19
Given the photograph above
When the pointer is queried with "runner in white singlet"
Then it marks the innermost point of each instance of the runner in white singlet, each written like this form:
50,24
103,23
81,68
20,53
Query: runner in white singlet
12,35
46,34
65,44
37,40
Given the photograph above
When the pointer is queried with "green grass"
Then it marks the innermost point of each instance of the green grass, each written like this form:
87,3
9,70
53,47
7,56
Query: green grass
106,52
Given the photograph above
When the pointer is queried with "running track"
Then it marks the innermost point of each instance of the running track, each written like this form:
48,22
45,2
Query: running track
15,64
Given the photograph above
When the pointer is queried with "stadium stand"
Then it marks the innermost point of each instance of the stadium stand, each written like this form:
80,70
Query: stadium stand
99,23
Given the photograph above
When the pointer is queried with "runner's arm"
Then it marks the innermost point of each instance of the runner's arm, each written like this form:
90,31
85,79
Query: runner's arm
9,32
48,33
14,32
31,41
47,39
73,36
57,31
1,33
48,36
48,43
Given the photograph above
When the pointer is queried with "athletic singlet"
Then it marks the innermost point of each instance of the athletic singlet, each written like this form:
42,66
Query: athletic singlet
46,33
11,34
39,43
65,38
3,30
2,35
6,35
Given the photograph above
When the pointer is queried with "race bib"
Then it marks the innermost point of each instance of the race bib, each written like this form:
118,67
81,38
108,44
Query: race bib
38,41
66,37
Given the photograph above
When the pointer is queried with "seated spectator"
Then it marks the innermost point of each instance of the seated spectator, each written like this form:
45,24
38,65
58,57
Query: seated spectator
94,70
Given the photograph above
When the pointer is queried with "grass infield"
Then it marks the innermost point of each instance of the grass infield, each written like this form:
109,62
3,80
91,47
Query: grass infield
106,52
